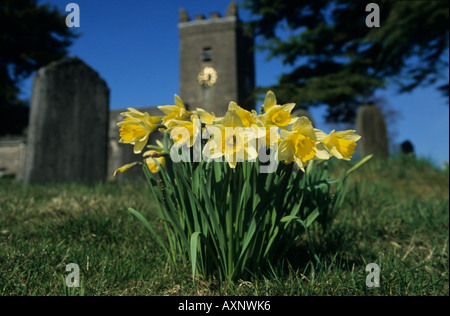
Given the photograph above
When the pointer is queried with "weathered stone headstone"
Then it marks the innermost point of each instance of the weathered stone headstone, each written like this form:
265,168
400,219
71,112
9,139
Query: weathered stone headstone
68,130
370,124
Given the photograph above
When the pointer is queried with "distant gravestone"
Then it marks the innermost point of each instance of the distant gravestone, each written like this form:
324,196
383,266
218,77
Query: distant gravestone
407,148
68,129
370,124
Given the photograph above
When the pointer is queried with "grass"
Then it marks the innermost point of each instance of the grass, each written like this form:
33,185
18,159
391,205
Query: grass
396,214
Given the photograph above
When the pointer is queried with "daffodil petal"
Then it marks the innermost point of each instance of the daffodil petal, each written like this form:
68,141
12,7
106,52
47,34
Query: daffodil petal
179,102
167,109
269,101
125,167
321,152
288,107
320,135
285,149
140,144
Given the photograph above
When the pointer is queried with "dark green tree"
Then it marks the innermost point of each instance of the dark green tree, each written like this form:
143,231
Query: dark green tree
31,36
337,60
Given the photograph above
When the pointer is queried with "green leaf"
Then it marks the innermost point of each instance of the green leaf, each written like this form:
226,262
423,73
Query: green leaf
309,220
194,245
147,225
358,165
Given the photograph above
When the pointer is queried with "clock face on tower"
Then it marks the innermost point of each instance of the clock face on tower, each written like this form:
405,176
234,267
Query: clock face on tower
207,77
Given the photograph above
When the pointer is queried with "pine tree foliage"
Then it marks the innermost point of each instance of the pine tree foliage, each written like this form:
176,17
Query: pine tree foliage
31,36
337,60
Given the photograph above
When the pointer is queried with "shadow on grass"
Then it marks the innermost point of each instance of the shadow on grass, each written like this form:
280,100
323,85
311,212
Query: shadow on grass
338,246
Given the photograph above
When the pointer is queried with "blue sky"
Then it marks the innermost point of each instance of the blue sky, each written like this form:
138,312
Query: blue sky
134,46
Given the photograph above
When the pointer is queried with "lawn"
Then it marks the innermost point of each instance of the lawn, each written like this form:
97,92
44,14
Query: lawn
396,214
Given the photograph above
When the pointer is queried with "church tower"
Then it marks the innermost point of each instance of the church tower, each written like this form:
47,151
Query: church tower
216,61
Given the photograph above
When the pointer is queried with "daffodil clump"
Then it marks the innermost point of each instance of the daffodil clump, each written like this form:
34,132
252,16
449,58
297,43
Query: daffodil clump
236,192
240,135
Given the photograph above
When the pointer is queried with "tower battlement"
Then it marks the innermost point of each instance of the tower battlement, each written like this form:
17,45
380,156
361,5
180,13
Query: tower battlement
231,13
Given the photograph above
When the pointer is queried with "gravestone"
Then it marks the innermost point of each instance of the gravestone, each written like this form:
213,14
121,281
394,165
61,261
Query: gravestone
68,129
407,148
370,124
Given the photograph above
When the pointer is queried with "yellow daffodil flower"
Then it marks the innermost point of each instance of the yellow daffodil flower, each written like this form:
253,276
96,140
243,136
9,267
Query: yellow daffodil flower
205,117
269,101
151,160
174,112
136,128
153,154
231,139
249,119
274,114
185,132
341,144
300,144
